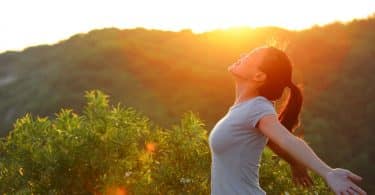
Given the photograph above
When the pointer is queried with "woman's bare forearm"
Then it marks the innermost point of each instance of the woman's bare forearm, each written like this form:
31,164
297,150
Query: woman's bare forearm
271,127
302,152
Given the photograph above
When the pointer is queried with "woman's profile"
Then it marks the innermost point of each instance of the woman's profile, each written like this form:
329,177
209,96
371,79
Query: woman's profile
238,139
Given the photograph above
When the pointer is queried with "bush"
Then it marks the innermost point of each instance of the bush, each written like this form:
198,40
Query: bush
117,150
275,178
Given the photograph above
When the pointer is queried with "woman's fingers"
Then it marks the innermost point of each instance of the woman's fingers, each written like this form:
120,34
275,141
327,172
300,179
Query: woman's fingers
303,183
300,182
297,180
351,191
358,189
354,177
308,181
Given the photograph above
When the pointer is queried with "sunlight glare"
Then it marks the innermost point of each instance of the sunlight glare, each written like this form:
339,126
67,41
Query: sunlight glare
42,21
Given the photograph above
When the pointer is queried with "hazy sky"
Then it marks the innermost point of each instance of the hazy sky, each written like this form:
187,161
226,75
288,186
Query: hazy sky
33,22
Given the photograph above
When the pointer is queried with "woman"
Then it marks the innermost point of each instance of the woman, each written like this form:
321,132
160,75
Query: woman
238,139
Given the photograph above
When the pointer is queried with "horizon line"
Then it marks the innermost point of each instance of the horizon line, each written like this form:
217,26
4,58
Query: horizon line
195,32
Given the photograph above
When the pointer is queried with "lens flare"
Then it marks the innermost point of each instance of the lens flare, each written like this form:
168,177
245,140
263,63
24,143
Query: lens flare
116,191
150,147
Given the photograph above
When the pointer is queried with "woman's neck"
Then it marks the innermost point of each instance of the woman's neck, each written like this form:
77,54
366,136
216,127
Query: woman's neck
244,92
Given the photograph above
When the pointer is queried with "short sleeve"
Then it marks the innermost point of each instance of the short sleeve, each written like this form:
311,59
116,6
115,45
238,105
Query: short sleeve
260,108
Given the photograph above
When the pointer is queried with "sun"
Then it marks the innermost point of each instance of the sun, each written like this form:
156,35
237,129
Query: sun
43,22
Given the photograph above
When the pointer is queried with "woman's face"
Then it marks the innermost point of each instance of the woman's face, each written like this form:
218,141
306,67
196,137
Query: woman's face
247,65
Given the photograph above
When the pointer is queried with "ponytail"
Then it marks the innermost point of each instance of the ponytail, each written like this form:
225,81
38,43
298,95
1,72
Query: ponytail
278,68
289,115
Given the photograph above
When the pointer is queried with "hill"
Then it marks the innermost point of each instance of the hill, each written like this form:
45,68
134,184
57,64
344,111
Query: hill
164,74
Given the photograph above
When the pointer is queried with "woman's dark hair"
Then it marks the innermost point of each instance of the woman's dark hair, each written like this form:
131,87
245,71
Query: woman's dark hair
278,68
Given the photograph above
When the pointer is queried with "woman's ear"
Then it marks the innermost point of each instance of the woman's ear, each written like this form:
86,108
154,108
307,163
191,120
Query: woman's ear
259,76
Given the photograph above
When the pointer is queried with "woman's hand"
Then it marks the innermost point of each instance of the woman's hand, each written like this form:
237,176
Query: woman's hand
341,181
300,175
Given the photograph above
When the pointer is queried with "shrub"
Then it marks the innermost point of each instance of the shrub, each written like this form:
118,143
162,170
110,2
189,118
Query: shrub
117,150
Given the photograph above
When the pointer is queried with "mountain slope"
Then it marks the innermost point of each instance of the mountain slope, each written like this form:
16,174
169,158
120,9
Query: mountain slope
165,74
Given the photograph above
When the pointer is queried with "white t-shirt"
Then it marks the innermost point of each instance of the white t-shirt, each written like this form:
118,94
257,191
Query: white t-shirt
236,147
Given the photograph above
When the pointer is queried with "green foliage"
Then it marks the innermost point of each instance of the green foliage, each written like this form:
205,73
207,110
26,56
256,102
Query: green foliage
164,73
117,148
275,177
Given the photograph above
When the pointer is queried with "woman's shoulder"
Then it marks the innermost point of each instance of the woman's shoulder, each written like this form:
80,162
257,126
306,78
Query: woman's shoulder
259,108
261,103
262,100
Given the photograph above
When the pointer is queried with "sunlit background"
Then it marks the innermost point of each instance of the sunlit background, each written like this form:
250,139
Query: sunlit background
158,94
26,23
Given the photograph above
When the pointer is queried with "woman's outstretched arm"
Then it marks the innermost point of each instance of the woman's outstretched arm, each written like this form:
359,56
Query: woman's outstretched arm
280,152
299,172
339,180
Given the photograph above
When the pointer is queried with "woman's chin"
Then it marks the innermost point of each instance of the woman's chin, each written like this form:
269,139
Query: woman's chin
229,68
230,71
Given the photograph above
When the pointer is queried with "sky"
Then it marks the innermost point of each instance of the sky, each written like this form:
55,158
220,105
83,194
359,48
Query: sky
27,23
